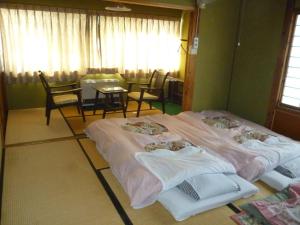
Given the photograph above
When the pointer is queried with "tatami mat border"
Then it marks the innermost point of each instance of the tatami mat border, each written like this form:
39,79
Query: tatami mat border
100,114
108,190
233,208
41,141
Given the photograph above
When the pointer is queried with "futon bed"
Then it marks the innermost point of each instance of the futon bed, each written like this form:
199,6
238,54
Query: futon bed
161,158
276,156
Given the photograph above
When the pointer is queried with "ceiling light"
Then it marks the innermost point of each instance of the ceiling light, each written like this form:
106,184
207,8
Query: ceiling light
118,8
202,3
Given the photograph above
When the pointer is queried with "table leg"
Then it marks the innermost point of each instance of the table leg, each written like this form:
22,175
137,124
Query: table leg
106,105
96,101
122,104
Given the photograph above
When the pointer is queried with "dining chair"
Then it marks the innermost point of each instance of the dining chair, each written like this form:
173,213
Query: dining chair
61,95
153,91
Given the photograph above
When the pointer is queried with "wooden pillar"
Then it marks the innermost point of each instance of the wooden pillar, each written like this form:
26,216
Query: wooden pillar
190,71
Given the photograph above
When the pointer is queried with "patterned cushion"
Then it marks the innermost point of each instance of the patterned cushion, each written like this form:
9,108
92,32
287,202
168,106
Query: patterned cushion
65,99
147,96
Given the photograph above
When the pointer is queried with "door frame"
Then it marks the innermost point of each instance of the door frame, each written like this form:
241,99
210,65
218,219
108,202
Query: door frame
281,68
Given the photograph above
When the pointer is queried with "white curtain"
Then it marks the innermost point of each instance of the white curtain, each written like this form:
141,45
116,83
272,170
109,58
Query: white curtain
51,41
64,42
139,45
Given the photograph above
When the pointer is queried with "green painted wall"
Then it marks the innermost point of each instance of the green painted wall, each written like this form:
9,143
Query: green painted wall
256,58
218,27
30,95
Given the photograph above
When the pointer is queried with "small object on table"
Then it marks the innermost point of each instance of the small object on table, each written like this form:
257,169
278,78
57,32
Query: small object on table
110,104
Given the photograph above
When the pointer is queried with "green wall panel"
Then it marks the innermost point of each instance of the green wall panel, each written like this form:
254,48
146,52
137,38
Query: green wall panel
25,96
256,58
218,27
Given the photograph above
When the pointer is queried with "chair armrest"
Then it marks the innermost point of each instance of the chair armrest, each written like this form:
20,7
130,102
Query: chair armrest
76,90
144,83
147,88
64,85
131,82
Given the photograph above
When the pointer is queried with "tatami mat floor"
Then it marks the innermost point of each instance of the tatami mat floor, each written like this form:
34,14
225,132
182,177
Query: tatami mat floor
54,176
29,125
52,184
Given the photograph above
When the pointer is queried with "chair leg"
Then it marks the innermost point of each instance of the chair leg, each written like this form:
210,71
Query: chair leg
48,112
150,104
139,108
47,106
163,106
80,108
126,106
82,114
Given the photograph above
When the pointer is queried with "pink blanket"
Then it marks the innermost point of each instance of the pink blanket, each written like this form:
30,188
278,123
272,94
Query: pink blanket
267,156
118,146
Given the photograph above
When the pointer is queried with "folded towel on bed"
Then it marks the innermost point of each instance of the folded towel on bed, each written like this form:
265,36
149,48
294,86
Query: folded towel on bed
172,168
208,185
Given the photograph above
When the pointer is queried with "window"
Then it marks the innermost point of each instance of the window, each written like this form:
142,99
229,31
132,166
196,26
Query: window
291,90
68,42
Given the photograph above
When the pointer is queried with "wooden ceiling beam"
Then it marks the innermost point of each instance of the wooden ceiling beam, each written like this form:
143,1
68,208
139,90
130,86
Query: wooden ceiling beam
155,4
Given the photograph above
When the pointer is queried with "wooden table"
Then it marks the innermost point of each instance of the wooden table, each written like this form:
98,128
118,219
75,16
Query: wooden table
110,103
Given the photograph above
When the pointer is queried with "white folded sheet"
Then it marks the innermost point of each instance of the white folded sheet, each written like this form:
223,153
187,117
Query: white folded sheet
208,185
172,168
182,207
278,181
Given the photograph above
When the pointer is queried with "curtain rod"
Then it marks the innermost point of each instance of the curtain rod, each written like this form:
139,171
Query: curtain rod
84,11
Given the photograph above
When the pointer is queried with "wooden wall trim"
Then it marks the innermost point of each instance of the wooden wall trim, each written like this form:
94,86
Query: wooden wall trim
156,4
3,109
191,62
279,74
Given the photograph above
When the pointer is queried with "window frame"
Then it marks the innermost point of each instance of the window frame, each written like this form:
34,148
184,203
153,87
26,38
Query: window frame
285,65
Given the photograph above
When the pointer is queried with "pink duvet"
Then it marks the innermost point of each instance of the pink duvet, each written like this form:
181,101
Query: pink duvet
268,156
118,147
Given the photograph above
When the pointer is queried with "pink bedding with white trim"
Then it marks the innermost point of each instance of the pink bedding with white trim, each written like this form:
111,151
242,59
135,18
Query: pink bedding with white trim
273,151
118,146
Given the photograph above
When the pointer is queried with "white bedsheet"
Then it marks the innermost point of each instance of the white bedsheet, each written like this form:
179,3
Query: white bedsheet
172,168
182,207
